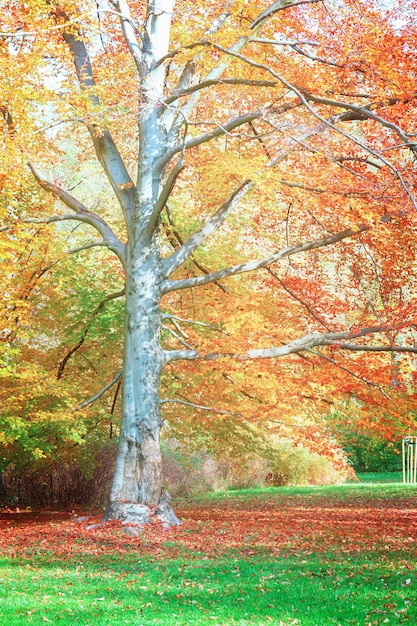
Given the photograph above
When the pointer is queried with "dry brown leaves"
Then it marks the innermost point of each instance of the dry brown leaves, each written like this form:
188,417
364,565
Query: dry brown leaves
265,526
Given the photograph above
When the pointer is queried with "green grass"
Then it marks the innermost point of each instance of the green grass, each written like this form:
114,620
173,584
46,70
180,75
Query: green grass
381,485
307,590
336,586
381,477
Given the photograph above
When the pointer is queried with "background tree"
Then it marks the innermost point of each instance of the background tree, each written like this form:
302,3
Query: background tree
284,129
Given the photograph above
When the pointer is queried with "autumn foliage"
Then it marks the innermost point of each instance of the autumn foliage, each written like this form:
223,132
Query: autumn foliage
301,306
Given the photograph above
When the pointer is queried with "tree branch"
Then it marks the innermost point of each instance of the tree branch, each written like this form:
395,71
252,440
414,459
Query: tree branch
368,348
279,6
184,81
228,126
320,190
64,361
327,339
199,406
313,58
303,303
177,336
211,225
279,42
220,19
305,96
368,382
362,113
218,132
81,213
260,263
306,343
71,202
250,417
187,321
218,81
197,44
101,392
178,355
104,146
176,241
165,194
128,29
87,246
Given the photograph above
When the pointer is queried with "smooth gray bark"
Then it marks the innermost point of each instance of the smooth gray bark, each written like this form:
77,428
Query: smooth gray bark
138,472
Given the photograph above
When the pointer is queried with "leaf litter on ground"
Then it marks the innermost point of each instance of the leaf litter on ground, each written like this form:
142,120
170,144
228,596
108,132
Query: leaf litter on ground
269,523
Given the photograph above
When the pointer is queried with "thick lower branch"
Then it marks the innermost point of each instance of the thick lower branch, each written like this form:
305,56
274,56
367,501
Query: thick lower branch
251,266
81,213
306,343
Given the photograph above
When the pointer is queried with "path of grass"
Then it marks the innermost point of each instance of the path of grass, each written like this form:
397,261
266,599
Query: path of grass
306,556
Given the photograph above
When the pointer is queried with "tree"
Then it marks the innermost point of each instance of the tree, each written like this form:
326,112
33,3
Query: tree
231,107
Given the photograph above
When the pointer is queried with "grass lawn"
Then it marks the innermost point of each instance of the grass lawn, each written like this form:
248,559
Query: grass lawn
310,556
381,477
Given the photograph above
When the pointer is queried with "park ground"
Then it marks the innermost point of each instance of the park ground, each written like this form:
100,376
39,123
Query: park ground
307,556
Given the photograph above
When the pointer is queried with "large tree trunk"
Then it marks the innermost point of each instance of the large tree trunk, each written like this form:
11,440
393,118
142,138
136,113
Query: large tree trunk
137,483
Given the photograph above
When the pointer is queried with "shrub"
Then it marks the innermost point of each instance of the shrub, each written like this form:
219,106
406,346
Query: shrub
297,465
63,484
192,472
371,454
85,480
